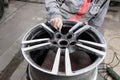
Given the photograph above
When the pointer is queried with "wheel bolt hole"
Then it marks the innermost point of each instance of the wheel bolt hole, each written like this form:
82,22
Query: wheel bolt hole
58,36
69,36
72,43
54,42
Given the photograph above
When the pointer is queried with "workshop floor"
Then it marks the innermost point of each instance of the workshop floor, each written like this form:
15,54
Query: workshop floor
111,32
21,16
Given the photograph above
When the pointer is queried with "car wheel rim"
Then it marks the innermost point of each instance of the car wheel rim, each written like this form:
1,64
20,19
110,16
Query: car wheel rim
43,37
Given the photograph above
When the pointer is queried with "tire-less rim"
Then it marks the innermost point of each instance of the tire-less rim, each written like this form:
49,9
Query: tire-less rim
63,43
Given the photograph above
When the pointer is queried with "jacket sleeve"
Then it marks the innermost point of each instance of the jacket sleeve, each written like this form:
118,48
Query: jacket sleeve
97,21
52,8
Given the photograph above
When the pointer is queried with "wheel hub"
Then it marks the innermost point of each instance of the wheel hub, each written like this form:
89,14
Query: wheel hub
63,40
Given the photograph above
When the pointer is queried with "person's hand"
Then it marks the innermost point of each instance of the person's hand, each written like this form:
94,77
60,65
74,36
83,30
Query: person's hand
57,23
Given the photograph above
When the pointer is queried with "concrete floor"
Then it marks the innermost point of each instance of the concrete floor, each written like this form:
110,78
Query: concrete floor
21,16
111,32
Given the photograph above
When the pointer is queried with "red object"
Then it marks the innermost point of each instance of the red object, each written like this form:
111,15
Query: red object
81,11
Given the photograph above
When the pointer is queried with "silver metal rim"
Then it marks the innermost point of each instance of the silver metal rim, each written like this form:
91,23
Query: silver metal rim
68,71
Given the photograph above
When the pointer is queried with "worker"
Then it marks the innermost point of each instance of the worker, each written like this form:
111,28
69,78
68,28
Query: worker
89,11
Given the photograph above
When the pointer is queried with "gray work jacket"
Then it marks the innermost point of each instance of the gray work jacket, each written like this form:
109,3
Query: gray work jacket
57,8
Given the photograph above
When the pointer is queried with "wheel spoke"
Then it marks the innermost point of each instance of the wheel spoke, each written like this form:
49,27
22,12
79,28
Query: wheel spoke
36,47
35,41
81,30
75,26
67,63
98,52
92,43
56,64
48,29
